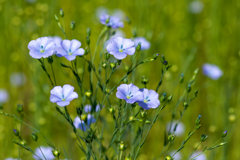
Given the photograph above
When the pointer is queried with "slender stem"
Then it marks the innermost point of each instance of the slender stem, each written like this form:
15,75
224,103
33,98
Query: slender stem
41,151
195,149
53,75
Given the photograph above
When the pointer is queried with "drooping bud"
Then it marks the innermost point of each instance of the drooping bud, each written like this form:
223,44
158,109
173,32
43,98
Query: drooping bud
61,13
87,40
144,80
165,63
88,94
181,78
224,134
195,93
138,48
50,60
121,146
23,142
72,25
104,65
19,108
16,132
203,137
56,153
88,32
170,98
34,136
198,120
188,89
163,97
171,137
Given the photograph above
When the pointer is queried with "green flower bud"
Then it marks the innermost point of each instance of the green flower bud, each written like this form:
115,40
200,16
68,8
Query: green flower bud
168,158
121,146
111,110
34,136
107,90
83,117
61,13
163,97
118,62
170,98
56,153
223,143
19,108
188,89
107,56
185,104
143,113
171,137
23,142
134,32
147,122
144,80
72,25
88,32
224,134
181,78
125,80
113,33
155,55
203,137
198,126
112,65
104,65
88,94
138,48
165,63
50,60
79,111
196,71
162,58
195,93
87,40
86,51
16,132
56,18
198,120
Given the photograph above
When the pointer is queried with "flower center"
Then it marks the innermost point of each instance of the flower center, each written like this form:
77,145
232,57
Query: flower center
146,99
121,49
129,95
63,99
42,50
70,52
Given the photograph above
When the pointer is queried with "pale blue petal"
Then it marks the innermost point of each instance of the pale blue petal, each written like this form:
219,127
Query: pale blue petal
67,90
79,52
33,45
35,54
61,51
70,57
119,55
75,44
63,103
57,91
72,96
54,98
66,44
127,43
129,51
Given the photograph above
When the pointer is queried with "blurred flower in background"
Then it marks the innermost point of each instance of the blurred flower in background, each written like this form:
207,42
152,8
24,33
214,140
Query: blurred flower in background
47,151
177,156
104,11
17,79
196,7
3,96
111,21
179,130
212,71
85,122
118,33
200,157
11,158
144,43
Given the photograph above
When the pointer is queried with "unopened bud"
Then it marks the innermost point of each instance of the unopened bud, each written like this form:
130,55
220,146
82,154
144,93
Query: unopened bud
143,113
86,51
198,120
61,13
16,132
163,97
118,62
147,122
170,98
181,78
134,32
144,80
185,104
188,89
198,126
224,134
112,65
125,80
107,56
171,137
168,158
79,111
23,142
50,60
88,94
196,71
121,146
107,20
203,137
56,18
19,108
72,25
165,63
83,117
111,110
128,20
87,40
104,65
56,153
34,136
88,32
195,93
138,48
162,58
128,157
155,55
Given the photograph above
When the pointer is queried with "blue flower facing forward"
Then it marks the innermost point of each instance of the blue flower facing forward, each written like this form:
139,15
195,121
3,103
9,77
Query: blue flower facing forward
70,49
63,95
130,93
120,47
111,21
150,99
41,48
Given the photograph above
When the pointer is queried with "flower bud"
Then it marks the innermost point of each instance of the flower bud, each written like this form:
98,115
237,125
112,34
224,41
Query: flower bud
16,132
181,78
195,93
87,40
168,158
125,80
147,122
113,33
23,142
121,146
56,153
34,136
224,134
111,110
19,108
107,56
138,48
72,25
171,137
61,13
196,71
198,126
83,117
86,51
188,89
50,60
143,113
165,63
198,120
170,98
88,32
130,118
118,62
144,80
155,55
107,90
163,97
107,20
185,104
56,18
79,111
104,65
223,143
88,94
162,58
112,66
204,137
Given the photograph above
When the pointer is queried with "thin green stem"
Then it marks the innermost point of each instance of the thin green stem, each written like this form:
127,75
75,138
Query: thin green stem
41,151
53,75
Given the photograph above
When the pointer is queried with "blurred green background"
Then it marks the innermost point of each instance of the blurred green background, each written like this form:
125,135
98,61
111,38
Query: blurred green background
188,35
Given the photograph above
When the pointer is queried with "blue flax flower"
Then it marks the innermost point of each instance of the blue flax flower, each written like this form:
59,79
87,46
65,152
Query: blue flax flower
120,47
212,71
70,49
41,48
129,92
88,108
111,21
144,43
47,151
63,95
150,99
84,125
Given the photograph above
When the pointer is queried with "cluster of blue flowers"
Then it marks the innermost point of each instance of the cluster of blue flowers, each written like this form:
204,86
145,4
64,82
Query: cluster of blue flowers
145,98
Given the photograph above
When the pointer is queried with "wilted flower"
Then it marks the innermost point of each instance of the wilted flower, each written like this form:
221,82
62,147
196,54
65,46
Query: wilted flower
63,95
70,49
17,79
111,21
3,96
120,47
47,151
84,125
129,92
196,7
200,157
144,43
150,99
41,48
179,130
212,71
